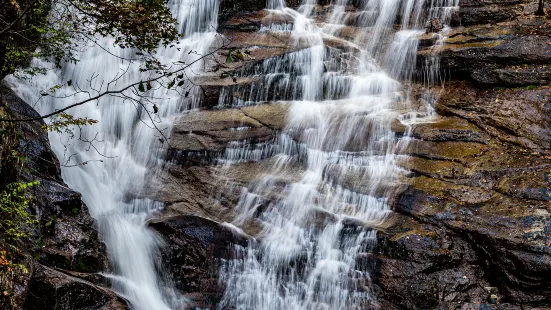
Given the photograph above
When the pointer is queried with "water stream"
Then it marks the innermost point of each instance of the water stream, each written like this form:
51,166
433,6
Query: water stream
342,102
122,146
343,98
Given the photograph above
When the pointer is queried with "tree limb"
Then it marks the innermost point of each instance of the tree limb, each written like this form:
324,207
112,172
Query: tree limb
108,92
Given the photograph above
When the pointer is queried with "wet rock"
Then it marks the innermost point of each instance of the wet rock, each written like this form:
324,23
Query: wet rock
398,127
15,283
51,289
511,53
202,135
188,191
425,266
517,115
449,129
66,236
195,248
476,212
492,11
433,25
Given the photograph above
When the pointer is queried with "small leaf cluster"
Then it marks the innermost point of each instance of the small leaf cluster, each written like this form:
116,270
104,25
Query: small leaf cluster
236,54
15,219
64,120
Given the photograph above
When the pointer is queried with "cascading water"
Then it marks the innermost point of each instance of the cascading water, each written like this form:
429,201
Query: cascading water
124,135
338,137
338,140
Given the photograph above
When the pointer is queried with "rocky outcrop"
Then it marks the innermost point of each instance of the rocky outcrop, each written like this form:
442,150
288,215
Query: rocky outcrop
471,227
476,216
199,139
195,249
476,229
512,50
52,289
473,230
473,12
65,245
208,133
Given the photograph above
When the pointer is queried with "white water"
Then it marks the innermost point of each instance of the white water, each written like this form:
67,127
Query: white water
125,135
316,230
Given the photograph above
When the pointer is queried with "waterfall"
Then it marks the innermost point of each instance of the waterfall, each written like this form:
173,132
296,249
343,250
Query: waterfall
338,140
107,162
317,229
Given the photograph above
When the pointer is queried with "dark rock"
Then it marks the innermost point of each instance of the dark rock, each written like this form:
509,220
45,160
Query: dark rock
433,25
15,284
493,11
195,247
479,219
65,236
66,229
509,53
51,289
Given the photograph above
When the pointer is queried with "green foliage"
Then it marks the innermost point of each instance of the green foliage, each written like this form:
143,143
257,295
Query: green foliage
236,54
34,35
58,30
15,220
63,120
142,24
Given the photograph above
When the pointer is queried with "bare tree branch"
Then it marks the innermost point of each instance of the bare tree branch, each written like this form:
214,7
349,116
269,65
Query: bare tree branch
111,92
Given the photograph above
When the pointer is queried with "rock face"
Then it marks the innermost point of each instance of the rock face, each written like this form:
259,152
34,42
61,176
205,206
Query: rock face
51,289
472,223
471,227
476,223
193,255
65,241
508,48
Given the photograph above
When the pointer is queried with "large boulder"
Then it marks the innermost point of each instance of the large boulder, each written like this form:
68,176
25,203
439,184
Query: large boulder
195,249
52,289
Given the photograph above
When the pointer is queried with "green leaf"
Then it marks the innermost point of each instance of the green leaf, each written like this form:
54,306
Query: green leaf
229,59
239,55
171,84
141,87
